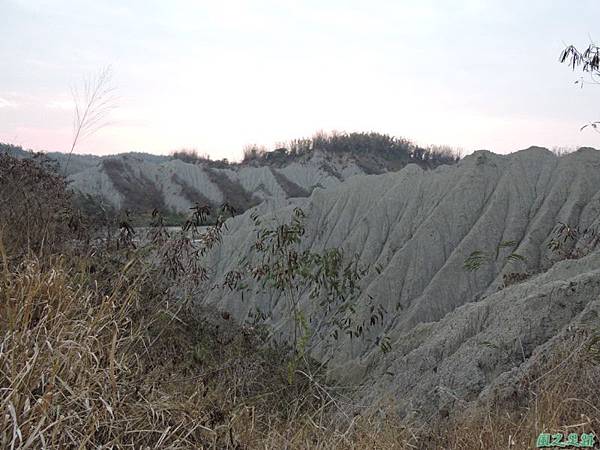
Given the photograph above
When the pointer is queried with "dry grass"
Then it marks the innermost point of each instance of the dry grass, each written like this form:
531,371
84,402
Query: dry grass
35,208
559,395
88,364
69,374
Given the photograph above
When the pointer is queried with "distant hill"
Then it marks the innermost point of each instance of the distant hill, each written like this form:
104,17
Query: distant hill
141,182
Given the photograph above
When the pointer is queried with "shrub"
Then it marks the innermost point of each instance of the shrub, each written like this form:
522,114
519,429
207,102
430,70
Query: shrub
573,242
253,153
392,149
115,365
36,213
190,156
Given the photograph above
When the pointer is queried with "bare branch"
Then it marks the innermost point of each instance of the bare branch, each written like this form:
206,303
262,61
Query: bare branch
92,104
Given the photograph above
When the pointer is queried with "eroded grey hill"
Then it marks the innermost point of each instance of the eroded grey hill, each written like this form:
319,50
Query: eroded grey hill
143,182
455,335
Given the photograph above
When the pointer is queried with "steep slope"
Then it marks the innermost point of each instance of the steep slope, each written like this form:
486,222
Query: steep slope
137,181
418,227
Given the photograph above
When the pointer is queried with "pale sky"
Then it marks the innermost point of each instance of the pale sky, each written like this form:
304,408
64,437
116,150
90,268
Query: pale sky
216,75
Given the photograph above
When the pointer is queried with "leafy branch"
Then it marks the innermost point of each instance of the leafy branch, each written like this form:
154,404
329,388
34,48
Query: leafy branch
478,258
329,279
589,61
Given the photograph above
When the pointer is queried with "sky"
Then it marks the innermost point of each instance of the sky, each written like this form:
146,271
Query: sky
218,75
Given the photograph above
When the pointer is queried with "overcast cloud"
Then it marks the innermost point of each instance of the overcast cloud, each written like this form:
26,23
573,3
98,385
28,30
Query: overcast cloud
218,75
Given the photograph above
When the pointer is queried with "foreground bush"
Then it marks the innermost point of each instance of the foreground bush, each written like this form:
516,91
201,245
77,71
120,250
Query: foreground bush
69,370
35,208
83,365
